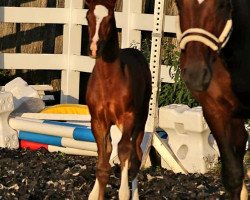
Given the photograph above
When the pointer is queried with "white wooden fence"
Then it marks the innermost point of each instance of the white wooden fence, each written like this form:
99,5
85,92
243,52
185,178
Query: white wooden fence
131,20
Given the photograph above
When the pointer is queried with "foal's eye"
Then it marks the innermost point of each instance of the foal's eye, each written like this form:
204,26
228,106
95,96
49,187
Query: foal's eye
223,5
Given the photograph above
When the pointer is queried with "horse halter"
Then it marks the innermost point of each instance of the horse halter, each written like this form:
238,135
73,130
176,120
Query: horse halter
203,36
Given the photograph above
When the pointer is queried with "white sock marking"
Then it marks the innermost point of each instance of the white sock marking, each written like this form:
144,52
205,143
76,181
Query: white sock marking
244,192
94,194
124,193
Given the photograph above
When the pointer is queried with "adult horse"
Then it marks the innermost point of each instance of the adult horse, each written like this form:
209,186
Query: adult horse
215,65
118,93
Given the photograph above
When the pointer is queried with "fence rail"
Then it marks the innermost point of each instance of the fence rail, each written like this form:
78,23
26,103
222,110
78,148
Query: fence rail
131,21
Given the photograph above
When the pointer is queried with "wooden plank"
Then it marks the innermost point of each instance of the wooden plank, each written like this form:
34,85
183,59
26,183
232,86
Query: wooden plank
42,87
61,16
34,15
145,22
82,63
32,61
167,74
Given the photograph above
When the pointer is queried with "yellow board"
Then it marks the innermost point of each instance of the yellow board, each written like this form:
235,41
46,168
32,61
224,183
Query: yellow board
67,109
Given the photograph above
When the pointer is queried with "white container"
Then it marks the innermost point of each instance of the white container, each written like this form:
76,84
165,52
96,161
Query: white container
26,99
189,137
8,136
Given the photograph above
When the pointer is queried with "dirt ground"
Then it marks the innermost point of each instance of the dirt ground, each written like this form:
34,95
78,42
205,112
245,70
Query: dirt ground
36,175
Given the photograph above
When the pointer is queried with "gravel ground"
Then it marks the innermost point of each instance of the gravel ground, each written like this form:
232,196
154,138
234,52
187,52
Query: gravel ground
26,174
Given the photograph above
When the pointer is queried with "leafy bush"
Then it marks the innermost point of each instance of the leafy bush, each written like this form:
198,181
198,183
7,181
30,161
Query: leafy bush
176,92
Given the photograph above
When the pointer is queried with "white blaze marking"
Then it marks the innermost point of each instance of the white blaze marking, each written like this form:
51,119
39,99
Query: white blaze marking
100,12
200,1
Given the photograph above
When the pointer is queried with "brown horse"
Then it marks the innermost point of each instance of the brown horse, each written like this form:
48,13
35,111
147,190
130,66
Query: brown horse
118,93
215,64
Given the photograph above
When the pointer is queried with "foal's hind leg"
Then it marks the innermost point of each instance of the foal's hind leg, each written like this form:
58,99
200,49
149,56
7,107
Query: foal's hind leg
136,158
103,140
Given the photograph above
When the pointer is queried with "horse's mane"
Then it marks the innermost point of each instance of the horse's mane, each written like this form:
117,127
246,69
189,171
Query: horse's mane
236,53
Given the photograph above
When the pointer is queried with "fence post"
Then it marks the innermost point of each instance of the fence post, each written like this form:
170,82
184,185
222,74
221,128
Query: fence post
70,80
155,63
130,38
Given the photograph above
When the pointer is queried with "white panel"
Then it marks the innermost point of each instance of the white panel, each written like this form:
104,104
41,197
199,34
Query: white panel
33,15
170,24
139,21
32,61
130,36
145,22
82,63
71,46
167,74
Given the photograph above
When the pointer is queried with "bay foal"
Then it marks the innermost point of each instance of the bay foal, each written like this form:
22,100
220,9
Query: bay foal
215,63
118,93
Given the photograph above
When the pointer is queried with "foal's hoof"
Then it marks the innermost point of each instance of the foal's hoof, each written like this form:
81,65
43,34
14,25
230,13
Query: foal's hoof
135,195
124,194
93,196
244,192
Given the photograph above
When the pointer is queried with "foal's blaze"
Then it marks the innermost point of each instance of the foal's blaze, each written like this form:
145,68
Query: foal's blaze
118,93
100,12
215,72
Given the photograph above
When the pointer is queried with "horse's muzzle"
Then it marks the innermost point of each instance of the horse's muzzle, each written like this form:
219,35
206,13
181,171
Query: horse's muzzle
197,79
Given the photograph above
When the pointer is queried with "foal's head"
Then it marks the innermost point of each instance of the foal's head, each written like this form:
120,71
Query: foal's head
100,17
204,29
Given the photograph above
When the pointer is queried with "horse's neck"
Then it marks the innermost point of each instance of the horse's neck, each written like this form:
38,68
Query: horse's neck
109,64
110,51
108,69
241,16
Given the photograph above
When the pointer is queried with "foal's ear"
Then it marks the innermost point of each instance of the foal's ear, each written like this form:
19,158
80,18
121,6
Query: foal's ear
88,1
111,3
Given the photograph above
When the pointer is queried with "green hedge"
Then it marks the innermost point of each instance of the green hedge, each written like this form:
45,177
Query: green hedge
171,93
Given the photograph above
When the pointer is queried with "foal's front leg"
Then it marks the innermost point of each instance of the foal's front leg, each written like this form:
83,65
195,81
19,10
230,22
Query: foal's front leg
103,140
124,152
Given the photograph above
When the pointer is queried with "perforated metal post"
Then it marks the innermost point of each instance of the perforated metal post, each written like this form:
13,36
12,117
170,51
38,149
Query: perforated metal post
155,63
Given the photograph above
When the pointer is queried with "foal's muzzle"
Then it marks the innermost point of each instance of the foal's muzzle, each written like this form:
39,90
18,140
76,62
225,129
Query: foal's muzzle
93,49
